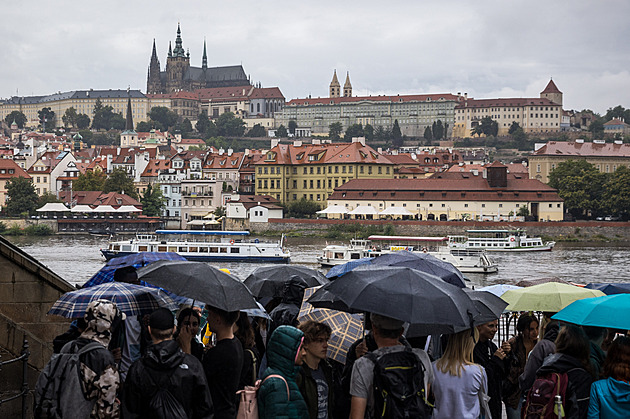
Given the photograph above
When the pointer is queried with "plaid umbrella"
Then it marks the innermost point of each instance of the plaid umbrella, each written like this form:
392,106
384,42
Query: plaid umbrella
346,328
137,260
129,298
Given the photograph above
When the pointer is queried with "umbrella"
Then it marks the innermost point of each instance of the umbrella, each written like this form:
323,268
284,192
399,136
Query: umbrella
429,304
423,262
257,312
137,260
551,296
489,305
611,311
610,288
499,289
346,328
268,281
537,281
341,270
129,298
200,281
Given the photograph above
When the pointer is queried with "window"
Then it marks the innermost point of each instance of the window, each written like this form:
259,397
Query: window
294,184
305,183
311,171
369,170
311,183
360,169
465,205
349,169
304,171
319,184
336,169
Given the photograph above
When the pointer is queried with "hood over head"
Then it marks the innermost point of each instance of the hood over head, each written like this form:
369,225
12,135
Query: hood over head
101,317
283,348
293,291
551,331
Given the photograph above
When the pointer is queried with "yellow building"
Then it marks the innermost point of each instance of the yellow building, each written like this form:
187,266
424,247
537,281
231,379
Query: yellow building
534,115
490,194
606,157
290,172
83,101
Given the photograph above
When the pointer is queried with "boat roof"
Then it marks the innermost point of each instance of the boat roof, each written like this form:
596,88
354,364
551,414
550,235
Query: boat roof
495,231
204,232
409,238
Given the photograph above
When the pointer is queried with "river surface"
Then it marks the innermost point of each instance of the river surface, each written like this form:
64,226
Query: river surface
77,258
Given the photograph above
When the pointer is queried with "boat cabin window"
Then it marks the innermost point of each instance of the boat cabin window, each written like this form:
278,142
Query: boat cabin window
355,256
235,250
142,248
203,250
126,248
115,247
193,249
161,248
214,250
172,249
182,249
338,255
223,250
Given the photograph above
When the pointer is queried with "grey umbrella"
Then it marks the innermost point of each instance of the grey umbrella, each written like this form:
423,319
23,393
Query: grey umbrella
489,305
267,282
199,281
429,304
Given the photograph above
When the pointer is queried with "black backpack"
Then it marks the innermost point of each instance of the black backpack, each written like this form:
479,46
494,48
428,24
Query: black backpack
163,405
399,385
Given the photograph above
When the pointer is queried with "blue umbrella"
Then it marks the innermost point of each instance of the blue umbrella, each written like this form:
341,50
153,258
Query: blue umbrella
499,289
129,298
610,288
423,262
340,270
608,311
137,260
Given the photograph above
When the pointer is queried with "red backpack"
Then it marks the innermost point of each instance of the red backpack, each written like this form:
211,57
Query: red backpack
541,398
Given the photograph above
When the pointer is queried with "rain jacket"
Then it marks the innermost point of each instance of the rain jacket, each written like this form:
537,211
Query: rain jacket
578,390
186,381
286,312
282,350
308,387
537,356
610,399
597,359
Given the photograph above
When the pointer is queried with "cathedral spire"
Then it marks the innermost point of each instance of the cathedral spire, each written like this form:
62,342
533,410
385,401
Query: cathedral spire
129,120
347,87
179,49
170,51
334,86
154,53
204,59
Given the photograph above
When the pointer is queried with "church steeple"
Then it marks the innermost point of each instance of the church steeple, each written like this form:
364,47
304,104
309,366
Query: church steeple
179,49
154,85
129,120
335,87
347,87
170,52
204,59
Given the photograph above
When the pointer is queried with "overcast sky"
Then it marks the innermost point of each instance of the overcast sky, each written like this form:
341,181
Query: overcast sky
485,48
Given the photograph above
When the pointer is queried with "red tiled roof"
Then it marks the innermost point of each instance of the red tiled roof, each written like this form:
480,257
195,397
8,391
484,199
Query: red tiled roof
551,88
616,121
94,198
154,167
250,201
214,93
9,165
223,161
585,149
501,102
267,93
192,141
401,159
327,153
398,98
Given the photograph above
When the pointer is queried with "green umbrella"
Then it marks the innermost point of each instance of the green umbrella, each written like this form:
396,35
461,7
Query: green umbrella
551,297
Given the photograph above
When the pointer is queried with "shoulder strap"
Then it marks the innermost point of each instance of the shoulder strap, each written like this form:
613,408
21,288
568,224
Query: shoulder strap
282,378
254,366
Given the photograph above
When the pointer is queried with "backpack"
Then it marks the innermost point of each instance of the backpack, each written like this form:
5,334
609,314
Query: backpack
399,385
541,398
163,405
248,406
59,392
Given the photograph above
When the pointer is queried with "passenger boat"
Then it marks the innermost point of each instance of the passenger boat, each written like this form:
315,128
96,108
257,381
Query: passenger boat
500,241
203,246
336,254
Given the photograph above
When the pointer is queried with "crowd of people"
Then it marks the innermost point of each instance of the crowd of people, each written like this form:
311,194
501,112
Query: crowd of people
194,363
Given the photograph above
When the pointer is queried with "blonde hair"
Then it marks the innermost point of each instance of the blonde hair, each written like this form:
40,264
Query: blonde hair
458,353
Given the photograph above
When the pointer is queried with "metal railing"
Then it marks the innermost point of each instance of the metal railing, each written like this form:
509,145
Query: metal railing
24,354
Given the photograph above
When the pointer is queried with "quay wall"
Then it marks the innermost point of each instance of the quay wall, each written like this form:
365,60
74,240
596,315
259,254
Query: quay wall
573,231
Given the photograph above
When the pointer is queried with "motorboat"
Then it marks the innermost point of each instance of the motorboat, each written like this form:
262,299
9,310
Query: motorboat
500,241
203,246
336,254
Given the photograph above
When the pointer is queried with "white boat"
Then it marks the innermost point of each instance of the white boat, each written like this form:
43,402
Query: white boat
203,246
500,241
338,254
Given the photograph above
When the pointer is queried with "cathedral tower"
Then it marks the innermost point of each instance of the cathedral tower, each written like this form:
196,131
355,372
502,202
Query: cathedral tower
335,87
552,93
347,87
177,65
154,84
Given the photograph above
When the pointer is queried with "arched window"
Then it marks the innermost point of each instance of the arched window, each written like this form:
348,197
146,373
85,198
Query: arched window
258,107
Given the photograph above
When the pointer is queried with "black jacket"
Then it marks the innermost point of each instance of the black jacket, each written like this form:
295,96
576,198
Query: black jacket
495,367
182,374
308,387
286,313
579,387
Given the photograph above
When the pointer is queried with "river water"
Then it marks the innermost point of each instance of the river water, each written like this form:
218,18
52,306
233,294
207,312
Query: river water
77,258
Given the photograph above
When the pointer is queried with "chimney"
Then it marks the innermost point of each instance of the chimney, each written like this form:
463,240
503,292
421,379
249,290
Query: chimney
316,141
360,140
230,151
297,143
109,163
475,172
246,152
221,151
379,150
274,142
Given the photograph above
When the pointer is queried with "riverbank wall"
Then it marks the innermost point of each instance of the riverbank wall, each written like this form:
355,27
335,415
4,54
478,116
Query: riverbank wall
560,231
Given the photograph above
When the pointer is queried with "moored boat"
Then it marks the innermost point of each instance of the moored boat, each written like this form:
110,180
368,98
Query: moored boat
338,254
203,246
500,241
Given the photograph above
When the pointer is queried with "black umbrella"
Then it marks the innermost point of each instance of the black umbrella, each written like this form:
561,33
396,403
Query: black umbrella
199,281
267,282
423,262
429,304
489,305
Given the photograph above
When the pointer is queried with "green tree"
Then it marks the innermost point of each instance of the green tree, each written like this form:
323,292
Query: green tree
184,128
281,132
46,117
616,196
428,133
334,130
303,208
83,121
69,118
229,125
21,196
580,185
354,130
292,126
397,140
18,117
104,138
219,212
202,122
118,122
515,127
596,127
438,130
143,127
257,131
91,180
104,117
523,212
153,201
618,112
119,182
486,126
163,117
368,132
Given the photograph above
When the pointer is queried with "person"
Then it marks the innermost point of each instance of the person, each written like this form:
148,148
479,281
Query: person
74,331
610,397
315,377
279,395
386,332
546,346
244,332
520,346
287,311
458,380
188,322
572,356
165,366
596,337
223,363
492,359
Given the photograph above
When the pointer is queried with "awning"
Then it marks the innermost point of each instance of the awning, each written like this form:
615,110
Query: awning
104,208
53,207
396,211
334,209
363,210
128,208
201,222
81,208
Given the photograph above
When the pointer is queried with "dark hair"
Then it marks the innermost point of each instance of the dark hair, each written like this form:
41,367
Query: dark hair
126,274
228,317
245,332
594,333
617,363
186,312
524,321
572,341
314,330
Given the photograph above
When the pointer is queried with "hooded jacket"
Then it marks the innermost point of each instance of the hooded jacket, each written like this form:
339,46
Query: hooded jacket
282,349
181,374
609,399
577,396
543,348
308,387
286,312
